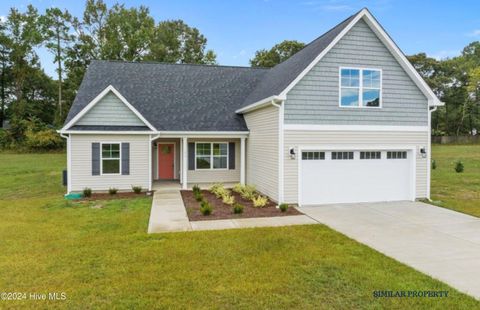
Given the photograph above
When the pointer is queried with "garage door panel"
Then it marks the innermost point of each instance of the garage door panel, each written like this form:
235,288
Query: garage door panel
358,180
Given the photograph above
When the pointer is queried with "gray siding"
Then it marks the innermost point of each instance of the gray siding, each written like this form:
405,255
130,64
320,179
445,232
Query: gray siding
110,111
214,176
315,99
81,160
262,150
357,138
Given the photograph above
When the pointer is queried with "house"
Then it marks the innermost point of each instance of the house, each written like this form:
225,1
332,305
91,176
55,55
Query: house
346,119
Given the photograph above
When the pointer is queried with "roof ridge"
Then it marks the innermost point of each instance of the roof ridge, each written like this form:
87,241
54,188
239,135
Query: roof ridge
149,62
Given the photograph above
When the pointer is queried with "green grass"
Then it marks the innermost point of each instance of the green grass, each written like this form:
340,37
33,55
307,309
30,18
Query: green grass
457,191
100,255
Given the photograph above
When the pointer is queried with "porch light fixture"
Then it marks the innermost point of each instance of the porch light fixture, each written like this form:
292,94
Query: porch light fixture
423,151
292,153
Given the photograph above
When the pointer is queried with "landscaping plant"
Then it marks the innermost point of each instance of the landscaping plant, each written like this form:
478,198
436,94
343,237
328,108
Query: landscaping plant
459,167
259,201
196,189
206,208
87,192
237,208
228,199
137,189
198,196
112,190
248,192
283,207
434,164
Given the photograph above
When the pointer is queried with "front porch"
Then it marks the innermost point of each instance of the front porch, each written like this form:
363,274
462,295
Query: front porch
180,162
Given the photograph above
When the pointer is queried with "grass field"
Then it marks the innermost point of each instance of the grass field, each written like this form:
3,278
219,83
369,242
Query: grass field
100,255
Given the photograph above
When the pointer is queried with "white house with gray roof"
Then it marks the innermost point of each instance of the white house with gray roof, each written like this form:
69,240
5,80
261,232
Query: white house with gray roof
346,119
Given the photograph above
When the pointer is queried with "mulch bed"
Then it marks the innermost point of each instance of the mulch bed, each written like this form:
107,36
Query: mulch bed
119,195
224,211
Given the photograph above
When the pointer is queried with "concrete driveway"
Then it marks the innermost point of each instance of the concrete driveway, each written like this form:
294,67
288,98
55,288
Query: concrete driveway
439,242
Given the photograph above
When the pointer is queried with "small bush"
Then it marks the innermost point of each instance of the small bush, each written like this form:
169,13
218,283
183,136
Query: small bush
137,189
46,139
87,192
248,192
237,208
459,167
215,187
259,201
206,208
112,190
198,196
283,207
238,188
228,199
434,164
196,189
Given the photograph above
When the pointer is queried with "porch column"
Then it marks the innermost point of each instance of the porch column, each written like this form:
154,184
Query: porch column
242,161
184,162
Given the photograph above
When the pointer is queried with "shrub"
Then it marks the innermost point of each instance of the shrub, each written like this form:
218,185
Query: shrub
196,189
206,208
112,190
283,207
137,189
259,201
237,208
198,196
434,164
87,192
238,188
248,192
459,167
46,139
215,187
228,199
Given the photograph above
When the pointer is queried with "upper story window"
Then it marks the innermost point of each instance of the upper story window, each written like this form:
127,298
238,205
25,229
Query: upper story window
360,88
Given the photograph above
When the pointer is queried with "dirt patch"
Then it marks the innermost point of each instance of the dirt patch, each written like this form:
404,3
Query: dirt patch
119,195
224,211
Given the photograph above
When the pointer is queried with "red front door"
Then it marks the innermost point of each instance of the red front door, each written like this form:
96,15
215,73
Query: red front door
165,161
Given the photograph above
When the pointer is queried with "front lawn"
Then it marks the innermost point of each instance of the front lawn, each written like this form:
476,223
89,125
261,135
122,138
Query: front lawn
99,254
457,191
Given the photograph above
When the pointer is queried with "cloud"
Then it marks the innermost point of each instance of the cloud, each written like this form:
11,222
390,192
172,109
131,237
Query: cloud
474,33
442,54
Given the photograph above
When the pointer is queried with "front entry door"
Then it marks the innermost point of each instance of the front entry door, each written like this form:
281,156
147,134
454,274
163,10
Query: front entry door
166,155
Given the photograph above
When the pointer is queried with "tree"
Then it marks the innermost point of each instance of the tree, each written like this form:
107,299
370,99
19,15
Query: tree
176,42
128,33
277,54
5,74
56,29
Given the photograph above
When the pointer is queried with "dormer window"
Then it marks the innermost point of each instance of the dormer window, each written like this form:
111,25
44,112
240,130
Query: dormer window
360,88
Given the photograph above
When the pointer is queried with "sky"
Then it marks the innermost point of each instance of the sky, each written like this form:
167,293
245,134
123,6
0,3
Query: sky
236,29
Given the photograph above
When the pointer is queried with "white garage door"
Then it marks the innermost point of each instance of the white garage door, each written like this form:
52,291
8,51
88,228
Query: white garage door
355,176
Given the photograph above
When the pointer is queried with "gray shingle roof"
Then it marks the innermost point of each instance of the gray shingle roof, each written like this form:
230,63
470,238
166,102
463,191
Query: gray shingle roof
174,97
183,97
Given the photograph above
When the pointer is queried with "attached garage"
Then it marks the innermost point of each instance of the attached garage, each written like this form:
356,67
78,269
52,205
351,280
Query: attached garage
360,175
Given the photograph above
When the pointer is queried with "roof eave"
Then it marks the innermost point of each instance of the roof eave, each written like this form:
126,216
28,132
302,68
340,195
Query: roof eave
260,104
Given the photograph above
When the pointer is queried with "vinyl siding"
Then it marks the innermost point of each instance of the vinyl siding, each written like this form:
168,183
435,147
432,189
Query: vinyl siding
262,150
81,157
110,111
315,99
311,138
215,176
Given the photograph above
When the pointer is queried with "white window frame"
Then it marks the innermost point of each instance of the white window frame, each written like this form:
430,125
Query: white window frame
211,155
119,158
360,88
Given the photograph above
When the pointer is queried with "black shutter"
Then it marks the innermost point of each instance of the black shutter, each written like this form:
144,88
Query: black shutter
96,158
125,158
231,155
191,156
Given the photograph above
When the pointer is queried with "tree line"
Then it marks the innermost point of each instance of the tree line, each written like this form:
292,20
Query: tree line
36,104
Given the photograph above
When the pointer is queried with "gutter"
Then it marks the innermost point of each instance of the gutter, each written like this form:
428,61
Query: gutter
260,104
281,148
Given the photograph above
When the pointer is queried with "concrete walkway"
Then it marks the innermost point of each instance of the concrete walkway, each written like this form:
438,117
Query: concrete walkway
168,212
439,242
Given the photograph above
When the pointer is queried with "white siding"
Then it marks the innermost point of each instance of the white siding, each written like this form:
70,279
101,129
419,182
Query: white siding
371,138
215,176
110,111
262,150
81,154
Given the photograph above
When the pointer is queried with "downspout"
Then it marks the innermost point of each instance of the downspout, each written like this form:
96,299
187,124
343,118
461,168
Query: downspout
280,150
429,154
69,165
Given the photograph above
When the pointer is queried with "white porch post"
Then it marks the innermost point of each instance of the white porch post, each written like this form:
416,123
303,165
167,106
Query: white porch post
150,170
242,161
181,161
185,162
